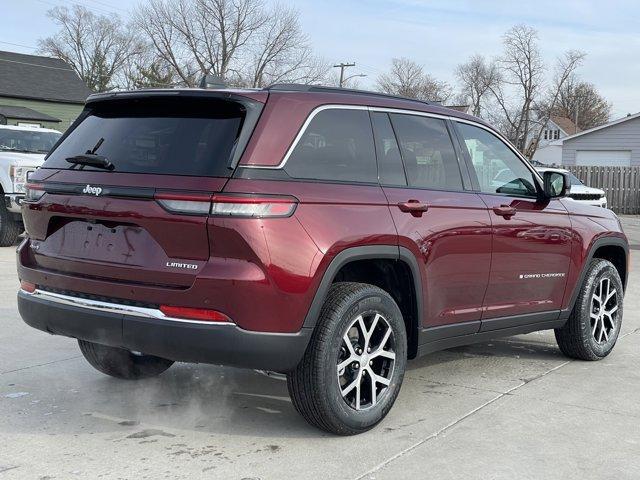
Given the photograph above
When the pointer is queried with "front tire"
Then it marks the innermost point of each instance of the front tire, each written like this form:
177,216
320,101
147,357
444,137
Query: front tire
353,368
594,325
121,363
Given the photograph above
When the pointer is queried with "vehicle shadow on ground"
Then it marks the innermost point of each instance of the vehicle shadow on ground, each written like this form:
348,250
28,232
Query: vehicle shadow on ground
517,348
192,399
215,399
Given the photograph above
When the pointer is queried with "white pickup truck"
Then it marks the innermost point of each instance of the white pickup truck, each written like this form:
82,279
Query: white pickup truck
22,150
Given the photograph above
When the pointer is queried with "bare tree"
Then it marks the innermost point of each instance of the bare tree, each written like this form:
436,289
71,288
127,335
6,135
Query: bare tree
237,40
565,68
408,79
476,77
582,103
95,46
523,89
281,52
522,74
146,70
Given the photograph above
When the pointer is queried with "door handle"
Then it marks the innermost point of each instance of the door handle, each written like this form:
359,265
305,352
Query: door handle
505,211
414,207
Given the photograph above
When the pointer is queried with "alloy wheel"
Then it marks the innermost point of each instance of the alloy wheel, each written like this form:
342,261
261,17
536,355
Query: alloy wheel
604,311
366,361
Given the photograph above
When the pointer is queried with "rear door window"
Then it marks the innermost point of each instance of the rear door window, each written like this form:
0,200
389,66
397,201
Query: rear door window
336,145
168,136
430,160
390,169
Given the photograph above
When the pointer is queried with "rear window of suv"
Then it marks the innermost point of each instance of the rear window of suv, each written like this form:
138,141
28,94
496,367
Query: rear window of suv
337,145
171,136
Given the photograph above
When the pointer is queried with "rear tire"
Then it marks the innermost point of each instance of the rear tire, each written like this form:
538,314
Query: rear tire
121,363
594,325
10,229
348,388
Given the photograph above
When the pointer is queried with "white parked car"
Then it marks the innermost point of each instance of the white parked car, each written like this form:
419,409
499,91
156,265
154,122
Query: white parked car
579,191
22,150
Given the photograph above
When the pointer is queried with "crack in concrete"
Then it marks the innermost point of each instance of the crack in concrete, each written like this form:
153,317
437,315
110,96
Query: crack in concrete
452,424
509,392
40,365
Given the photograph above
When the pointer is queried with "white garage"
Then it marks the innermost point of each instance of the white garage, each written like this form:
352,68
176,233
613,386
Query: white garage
614,144
604,158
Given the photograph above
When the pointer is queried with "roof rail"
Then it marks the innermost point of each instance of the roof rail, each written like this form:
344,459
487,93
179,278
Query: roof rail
298,87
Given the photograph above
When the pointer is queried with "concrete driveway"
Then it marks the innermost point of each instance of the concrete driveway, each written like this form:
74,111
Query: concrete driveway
506,409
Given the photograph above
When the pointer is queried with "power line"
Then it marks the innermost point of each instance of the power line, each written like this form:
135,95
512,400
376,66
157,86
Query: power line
72,3
18,45
108,5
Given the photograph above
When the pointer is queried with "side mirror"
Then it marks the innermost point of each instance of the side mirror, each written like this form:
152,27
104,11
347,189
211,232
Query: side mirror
556,184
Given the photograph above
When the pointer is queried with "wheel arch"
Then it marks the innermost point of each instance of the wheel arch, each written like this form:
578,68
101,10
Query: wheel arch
613,249
356,264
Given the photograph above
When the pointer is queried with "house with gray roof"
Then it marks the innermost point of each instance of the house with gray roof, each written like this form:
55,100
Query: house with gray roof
39,91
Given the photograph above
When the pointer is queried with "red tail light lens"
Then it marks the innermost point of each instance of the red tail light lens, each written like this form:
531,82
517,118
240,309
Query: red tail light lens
27,286
202,314
253,206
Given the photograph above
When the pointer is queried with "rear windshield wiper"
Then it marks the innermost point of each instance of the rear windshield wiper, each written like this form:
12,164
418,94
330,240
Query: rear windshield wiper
92,159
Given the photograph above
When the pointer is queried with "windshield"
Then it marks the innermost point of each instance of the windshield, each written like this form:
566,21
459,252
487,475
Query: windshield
574,180
27,141
159,136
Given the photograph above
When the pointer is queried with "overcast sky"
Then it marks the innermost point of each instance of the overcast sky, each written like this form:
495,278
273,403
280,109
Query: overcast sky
438,34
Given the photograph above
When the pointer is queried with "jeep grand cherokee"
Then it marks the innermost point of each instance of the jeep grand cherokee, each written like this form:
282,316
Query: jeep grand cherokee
324,233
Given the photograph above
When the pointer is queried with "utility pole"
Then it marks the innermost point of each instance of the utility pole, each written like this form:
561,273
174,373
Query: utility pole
342,66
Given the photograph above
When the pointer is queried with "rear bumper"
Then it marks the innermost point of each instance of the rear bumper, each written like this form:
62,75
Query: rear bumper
142,330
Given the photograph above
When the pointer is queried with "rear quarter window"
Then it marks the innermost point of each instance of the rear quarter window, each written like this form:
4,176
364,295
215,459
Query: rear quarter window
336,145
161,136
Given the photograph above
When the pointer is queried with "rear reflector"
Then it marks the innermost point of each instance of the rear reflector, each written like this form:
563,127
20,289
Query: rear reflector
33,192
194,313
253,206
27,286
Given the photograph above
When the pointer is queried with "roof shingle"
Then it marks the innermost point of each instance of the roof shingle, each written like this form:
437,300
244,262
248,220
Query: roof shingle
40,78
565,124
24,113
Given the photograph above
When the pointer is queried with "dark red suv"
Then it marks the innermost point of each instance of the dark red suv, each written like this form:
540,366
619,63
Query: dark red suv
324,233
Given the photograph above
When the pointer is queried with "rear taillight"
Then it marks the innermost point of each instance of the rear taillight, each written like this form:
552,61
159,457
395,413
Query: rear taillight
253,206
195,204
33,192
189,313
228,205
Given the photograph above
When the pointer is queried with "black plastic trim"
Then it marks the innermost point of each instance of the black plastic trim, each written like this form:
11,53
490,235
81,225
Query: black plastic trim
432,334
107,191
353,254
179,341
601,242
460,340
500,323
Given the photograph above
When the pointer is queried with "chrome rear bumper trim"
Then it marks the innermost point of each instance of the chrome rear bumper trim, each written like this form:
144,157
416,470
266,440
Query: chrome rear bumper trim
113,307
